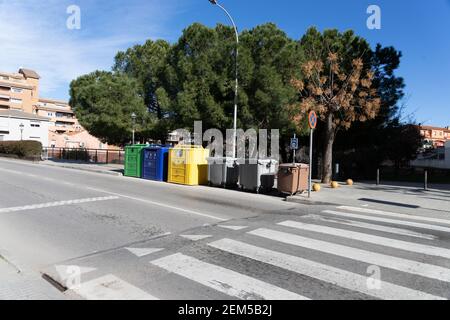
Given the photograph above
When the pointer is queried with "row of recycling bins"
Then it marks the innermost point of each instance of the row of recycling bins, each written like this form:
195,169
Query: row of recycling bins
191,165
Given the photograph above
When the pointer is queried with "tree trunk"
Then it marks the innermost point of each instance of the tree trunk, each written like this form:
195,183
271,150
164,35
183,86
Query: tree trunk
327,162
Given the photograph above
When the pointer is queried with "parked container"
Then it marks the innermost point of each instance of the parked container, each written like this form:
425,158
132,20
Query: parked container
133,160
188,165
223,171
251,173
155,163
293,178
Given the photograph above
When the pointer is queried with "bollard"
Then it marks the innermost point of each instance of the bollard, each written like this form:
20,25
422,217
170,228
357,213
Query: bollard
378,177
426,180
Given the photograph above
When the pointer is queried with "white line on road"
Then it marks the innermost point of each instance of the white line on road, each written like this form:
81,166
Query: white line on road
159,204
391,262
396,215
234,228
192,212
382,241
195,237
56,204
387,220
224,280
322,272
110,287
370,226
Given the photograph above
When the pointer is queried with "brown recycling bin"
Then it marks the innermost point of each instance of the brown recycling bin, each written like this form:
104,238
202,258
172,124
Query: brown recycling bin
293,178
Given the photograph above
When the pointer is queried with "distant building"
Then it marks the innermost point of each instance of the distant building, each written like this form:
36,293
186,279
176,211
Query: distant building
17,125
439,158
19,92
434,137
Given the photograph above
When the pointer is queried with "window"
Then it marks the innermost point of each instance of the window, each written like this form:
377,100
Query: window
50,114
5,78
17,90
35,125
17,101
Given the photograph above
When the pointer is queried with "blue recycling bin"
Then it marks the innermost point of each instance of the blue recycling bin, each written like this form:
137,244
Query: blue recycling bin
155,163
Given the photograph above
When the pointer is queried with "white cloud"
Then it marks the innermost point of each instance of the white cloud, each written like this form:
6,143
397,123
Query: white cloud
33,34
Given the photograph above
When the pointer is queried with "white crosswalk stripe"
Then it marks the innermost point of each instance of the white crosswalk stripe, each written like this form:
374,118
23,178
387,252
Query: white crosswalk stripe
388,242
370,226
391,262
396,215
224,280
110,287
339,277
387,220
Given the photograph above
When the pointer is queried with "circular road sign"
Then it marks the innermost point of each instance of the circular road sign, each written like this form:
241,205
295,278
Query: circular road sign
312,119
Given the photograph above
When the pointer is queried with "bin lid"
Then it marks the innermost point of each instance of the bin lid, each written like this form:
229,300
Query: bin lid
255,160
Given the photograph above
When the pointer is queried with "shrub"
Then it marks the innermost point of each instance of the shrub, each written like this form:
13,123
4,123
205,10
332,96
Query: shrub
22,149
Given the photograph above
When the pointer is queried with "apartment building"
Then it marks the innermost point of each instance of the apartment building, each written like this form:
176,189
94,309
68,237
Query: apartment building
19,92
435,137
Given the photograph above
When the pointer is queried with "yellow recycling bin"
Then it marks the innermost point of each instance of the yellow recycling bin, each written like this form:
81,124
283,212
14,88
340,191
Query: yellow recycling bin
188,165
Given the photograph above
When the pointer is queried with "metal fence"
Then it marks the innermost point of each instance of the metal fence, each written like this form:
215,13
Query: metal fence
84,155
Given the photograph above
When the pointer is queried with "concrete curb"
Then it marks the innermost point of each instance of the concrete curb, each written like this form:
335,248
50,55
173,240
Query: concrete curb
68,166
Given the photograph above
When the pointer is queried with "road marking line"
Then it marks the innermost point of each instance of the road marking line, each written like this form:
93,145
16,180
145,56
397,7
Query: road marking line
322,272
234,228
383,241
110,287
387,220
391,262
56,204
224,280
370,226
160,204
142,252
195,237
135,198
397,215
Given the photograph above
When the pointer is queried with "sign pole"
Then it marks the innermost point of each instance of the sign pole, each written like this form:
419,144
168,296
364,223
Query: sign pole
310,162
293,158
312,119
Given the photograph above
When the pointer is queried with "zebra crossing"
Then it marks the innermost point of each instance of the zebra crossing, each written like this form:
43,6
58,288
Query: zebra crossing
332,250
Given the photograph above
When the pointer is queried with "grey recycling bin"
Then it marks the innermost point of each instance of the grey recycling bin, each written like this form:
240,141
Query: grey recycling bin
257,174
223,171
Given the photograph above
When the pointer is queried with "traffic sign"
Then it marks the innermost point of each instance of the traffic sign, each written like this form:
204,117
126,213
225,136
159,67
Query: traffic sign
312,119
294,144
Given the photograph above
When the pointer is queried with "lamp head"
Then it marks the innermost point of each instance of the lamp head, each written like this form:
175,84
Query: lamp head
213,1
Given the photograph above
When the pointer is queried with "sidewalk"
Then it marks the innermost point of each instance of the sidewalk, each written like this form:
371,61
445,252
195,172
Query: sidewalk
24,285
111,169
397,198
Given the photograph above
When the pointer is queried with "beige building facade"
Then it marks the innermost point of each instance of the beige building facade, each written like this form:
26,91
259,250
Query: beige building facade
20,92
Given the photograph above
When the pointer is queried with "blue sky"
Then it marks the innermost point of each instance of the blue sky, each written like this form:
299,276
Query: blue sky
34,35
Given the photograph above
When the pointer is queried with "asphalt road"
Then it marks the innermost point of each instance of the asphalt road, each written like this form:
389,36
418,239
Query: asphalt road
107,237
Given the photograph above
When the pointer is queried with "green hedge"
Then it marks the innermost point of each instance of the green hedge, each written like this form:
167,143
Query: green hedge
21,149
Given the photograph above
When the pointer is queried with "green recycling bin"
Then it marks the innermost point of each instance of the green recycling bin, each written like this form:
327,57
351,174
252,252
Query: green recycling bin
133,160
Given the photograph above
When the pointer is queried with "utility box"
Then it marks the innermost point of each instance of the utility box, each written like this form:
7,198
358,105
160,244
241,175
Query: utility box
293,178
251,173
188,165
223,171
133,160
155,163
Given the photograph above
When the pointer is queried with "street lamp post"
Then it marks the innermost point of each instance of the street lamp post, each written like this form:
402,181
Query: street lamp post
133,118
236,91
21,126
